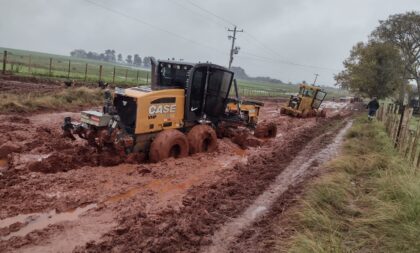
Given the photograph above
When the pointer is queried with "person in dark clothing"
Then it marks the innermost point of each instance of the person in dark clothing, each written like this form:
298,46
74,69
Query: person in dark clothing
373,106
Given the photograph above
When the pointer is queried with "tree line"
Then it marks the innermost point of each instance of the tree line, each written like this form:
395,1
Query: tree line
388,64
110,55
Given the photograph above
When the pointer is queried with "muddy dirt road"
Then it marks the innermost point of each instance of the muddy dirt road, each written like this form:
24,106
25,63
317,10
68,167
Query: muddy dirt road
59,196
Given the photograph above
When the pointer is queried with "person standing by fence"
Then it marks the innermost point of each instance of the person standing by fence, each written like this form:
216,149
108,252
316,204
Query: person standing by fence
373,106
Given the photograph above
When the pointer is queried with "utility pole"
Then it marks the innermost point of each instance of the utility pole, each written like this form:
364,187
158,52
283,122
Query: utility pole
233,50
316,77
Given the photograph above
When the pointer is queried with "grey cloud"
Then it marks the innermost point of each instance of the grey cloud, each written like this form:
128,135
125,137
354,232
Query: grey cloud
308,32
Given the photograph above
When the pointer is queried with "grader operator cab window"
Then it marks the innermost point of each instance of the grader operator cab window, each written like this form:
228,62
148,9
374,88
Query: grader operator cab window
173,75
127,109
306,92
319,97
207,92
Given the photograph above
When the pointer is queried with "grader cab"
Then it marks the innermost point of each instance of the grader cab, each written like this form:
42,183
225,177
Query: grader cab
306,103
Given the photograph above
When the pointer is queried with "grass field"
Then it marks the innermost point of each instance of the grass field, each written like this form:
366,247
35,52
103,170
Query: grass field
368,202
23,62
27,63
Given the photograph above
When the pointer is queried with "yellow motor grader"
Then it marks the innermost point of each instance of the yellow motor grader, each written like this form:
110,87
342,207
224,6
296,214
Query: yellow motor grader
306,103
177,116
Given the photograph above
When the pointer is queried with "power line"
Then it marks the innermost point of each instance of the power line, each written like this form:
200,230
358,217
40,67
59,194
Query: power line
117,12
257,41
258,57
192,9
272,60
261,44
209,12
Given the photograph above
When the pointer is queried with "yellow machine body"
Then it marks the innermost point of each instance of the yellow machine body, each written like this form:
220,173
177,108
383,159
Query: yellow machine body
306,102
250,110
157,110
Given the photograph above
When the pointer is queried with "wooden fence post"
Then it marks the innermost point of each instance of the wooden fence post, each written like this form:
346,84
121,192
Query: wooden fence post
137,78
408,140
147,78
126,74
86,70
113,76
4,61
415,143
68,72
100,72
49,70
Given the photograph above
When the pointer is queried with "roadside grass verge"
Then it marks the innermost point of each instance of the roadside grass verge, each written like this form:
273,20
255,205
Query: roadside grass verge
59,100
368,202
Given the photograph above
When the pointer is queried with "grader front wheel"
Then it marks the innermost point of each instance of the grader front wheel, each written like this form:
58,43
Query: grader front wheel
202,138
168,143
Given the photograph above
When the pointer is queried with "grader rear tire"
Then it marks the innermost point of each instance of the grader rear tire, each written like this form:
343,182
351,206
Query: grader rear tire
202,138
266,130
168,143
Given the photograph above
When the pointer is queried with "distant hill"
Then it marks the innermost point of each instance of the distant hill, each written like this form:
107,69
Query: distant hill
241,74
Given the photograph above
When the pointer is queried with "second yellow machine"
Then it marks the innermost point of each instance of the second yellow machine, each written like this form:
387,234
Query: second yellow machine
306,103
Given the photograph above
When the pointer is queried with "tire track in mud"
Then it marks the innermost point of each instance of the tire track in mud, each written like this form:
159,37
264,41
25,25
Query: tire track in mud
207,207
294,174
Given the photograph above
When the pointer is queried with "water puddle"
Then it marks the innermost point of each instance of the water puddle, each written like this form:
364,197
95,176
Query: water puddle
38,221
122,196
21,160
3,163
239,151
162,187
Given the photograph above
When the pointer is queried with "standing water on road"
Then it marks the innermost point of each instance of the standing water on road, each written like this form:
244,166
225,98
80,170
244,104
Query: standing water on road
34,221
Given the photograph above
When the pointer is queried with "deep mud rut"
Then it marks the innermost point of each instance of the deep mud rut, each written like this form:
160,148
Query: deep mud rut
59,196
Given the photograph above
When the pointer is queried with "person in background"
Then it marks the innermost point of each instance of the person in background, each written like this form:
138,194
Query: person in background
373,106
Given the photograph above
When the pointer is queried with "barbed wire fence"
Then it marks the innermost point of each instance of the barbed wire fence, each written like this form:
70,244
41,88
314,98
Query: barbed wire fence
403,129
71,69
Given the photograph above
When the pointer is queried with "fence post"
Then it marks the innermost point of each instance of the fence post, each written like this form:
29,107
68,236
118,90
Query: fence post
138,73
68,72
409,144
30,65
415,142
397,138
126,74
86,70
4,61
49,70
147,78
113,76
100,72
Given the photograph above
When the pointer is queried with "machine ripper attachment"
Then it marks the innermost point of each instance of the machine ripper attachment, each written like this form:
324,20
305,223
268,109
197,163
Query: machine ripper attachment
178,116
306,103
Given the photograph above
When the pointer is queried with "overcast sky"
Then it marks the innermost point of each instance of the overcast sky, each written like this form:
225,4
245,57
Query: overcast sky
286,39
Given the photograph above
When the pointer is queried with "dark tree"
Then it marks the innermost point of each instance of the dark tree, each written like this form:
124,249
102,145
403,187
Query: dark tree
120,58
129,59
372,69
403,31
146,61
80,53
137,60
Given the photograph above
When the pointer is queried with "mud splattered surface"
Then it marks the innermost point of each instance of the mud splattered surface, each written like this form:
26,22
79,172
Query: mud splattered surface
174,205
